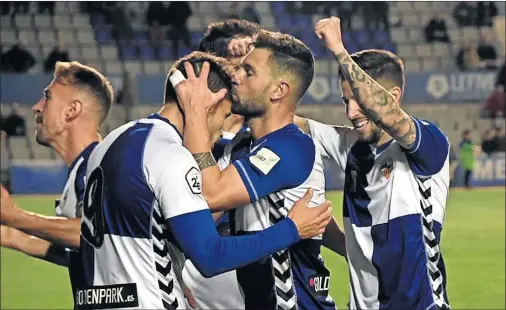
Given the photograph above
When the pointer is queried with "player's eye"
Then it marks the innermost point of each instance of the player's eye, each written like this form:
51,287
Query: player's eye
249,72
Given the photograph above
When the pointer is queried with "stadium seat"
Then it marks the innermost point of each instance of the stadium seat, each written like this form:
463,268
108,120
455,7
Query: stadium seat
152,67
23,21
146,52
95,63
113,67
429,64
268,22
278,8
424,50
128,52
103,35
27,36
43,21
67,37
262,7
412,65
133,67
141,35
195,24
166,52
379,36
90,52
363,37
196,37
85,37
80,21
62,21
74,53
47,38
109,52
98,20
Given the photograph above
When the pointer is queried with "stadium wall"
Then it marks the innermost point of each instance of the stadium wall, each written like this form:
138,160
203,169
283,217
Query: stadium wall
49,177
422,87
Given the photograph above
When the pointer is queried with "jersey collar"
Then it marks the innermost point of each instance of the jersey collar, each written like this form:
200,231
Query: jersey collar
84,154
159,117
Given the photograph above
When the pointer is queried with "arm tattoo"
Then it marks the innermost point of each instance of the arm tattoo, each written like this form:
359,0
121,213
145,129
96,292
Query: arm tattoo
204,160
377,103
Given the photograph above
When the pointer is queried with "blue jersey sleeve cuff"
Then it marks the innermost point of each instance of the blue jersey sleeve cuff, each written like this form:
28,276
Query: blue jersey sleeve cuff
416,145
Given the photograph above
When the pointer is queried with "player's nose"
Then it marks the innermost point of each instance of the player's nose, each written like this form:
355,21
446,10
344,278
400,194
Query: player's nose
37,108
238,76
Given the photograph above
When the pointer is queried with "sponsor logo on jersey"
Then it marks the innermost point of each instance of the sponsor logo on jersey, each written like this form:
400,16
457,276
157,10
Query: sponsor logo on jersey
107,297
319,284
264,160
194,180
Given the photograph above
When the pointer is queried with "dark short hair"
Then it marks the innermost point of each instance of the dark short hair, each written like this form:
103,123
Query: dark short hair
380,64
289,55
88,79
220,74
219,34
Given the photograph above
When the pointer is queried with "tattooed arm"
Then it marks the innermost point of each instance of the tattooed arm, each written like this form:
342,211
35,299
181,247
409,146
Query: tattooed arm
376,102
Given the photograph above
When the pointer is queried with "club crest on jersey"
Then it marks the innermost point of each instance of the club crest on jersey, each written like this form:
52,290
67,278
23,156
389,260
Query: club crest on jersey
386,168
193,178
264,160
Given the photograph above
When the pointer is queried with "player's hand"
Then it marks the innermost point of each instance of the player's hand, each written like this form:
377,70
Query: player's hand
189,297
240,47
193,93
329,31
8,207
310,222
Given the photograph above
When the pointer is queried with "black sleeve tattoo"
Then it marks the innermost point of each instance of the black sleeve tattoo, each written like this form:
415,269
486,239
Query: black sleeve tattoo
377,103
204,160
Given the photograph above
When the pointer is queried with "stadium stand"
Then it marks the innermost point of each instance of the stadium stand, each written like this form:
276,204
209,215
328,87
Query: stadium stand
89,39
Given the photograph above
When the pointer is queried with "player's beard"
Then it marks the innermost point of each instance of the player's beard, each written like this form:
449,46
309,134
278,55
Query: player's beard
249,108
373,136
39,136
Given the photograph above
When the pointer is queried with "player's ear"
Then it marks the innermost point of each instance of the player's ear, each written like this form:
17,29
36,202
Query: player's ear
74,110
397,93
280,91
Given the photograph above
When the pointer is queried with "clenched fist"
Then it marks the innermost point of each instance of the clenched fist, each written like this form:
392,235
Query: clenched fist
329,31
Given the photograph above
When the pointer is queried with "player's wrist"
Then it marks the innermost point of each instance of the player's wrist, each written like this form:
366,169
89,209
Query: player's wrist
338,49
292,226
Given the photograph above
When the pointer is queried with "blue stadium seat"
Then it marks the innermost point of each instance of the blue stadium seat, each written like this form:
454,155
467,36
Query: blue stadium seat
128,52
380,36
183,50
389,46
166,52
98,20
146,52
284,22
352,47
196,37
302,21
363,37
141,36
347,37
278,8
103,35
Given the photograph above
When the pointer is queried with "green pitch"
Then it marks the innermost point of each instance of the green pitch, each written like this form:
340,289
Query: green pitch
473,246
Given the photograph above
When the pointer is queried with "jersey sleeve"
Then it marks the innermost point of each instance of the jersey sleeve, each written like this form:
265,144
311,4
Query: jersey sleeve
428,154
332,142
175,180
277,164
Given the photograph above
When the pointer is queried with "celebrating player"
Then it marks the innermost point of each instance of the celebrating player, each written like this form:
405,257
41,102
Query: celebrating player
396,184
274,171
68,119
144,192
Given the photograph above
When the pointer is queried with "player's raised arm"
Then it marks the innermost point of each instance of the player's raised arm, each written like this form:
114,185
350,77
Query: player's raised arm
380,105
59,230
378,91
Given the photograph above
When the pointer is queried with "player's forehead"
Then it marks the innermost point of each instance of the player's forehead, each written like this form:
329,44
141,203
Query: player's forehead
57,88
257,59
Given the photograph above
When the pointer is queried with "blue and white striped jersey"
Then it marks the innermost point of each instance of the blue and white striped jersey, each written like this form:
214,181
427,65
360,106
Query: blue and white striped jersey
143,196
394,208
277,170
70,206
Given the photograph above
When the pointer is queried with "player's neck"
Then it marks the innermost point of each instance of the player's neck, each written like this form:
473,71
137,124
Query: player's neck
385,138
72,143
173,114
269,122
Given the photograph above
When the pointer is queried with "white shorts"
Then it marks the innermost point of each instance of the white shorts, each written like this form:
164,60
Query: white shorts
219,292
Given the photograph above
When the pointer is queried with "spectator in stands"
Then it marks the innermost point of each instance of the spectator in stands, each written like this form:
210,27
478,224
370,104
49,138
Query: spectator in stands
464,14
467,57
21,7
485,13
467,151
14,124
375,14
487,51
500,139
454,162
178,14
5,7
249,13
489,143
436,30
46,6
120,22
57,54
156,18
17,60
500,82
